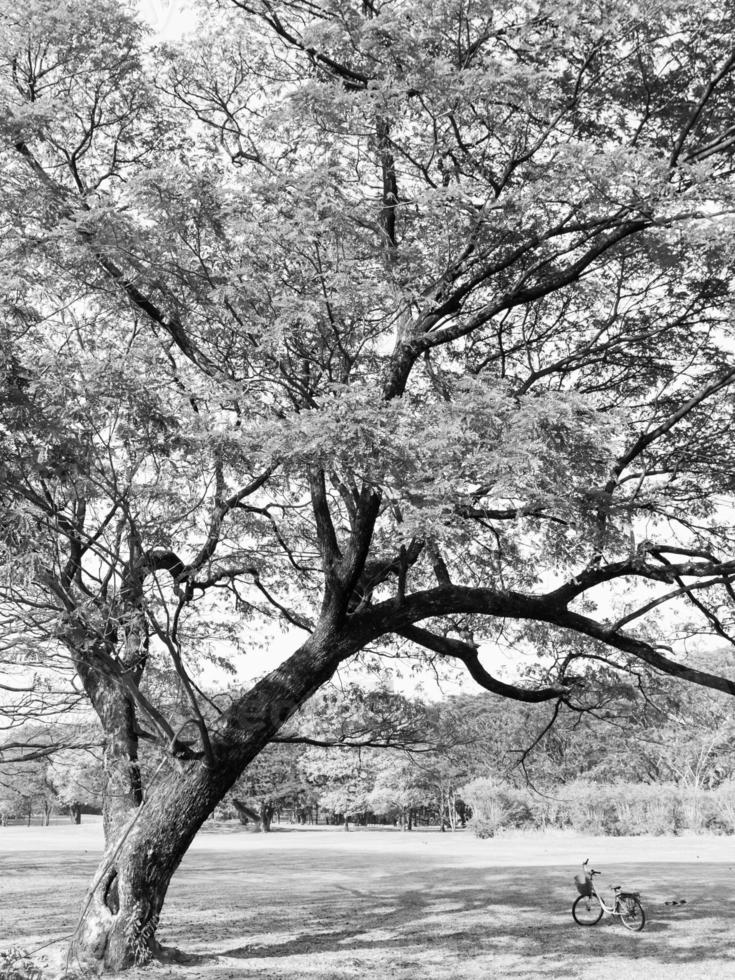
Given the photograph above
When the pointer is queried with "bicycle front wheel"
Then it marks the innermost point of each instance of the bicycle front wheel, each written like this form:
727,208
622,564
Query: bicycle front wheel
587,911
631,913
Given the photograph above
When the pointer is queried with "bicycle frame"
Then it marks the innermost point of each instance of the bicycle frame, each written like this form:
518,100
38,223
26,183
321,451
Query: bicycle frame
626,905
606,908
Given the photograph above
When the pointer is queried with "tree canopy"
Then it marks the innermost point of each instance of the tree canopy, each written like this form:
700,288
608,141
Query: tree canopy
355,316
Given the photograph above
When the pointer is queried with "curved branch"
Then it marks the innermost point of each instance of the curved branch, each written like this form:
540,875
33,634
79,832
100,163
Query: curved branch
351,79
450,647
637,567
645,652
394,617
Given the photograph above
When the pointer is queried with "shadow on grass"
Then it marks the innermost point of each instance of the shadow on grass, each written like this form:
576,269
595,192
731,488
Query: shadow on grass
526,914
420,911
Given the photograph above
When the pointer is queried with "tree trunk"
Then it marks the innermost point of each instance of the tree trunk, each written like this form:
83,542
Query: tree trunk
123,789
266,817
117,928
121,910
245,813
75,813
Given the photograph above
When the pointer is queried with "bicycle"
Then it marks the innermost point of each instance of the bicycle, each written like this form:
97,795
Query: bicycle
589,906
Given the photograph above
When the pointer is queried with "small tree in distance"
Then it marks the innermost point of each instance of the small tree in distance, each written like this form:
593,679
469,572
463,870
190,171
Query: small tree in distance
407,325
271,783
78,781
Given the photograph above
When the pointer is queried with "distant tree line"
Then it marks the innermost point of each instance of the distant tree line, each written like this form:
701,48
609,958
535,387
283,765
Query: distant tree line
637,757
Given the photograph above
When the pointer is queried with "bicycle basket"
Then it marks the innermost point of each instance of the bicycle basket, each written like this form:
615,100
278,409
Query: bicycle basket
584,887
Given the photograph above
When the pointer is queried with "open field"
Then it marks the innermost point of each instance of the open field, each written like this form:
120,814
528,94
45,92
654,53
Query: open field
322,904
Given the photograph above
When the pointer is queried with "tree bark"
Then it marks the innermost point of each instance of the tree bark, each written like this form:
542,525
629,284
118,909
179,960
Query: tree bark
123,788
116,712
266,817
75,813
121,911
117,928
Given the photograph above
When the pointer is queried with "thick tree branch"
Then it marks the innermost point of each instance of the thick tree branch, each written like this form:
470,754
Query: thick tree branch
637,567
394,617
326,534
350,743
450,647
352,80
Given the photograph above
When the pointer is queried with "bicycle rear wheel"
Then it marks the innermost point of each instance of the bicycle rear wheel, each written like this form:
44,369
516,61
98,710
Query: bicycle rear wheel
587,911
631,913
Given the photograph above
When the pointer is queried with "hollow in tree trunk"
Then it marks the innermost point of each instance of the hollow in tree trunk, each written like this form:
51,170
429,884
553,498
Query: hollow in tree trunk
145,844
121,911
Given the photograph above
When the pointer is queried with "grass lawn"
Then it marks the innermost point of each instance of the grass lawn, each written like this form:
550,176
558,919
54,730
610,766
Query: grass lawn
323,904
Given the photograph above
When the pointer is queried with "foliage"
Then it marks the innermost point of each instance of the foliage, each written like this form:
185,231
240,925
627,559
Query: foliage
16,964
614,809
722,809
273,782
25,789
495,807
77,778
348,318
460,365
401,785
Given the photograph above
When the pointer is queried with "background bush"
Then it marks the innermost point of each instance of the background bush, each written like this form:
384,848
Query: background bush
615,809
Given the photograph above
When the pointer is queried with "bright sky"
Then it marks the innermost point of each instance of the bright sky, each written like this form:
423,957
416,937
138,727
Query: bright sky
168,18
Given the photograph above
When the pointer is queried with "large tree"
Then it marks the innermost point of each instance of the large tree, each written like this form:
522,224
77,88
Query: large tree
355,316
